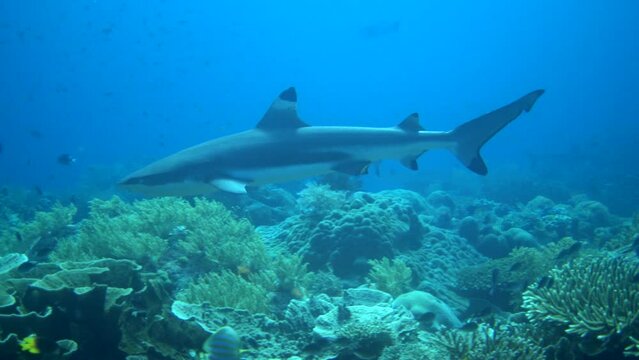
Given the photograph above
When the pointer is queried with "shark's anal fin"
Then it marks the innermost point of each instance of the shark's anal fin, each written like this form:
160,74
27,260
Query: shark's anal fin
352,167
283,113
411,123
230,185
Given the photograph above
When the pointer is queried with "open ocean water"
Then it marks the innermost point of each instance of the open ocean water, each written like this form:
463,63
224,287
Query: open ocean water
293,242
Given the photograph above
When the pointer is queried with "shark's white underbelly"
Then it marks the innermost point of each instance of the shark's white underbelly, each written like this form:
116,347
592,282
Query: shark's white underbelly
259,176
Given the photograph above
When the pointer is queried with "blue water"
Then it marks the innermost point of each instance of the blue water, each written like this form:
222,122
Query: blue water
118,83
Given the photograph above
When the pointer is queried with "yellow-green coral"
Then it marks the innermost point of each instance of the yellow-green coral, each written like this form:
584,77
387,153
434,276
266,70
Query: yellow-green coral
393,277
522,266
593,296
501,342
54,222
226,290
144,230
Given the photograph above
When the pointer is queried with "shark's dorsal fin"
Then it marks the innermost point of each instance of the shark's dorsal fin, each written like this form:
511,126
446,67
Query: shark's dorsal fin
411,123
283,113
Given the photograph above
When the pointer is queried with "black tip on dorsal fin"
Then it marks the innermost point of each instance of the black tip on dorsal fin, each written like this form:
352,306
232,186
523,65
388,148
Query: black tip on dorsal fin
411,123
289,95
283,113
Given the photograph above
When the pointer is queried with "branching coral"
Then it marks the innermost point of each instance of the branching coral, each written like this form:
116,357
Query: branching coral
393,277
592,297
46,226
502,342
226,290
203,231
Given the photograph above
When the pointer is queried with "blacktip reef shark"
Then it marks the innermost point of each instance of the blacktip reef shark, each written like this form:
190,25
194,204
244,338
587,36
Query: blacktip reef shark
282,147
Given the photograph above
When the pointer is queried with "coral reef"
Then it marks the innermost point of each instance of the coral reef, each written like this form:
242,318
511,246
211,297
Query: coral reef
595,298
393,277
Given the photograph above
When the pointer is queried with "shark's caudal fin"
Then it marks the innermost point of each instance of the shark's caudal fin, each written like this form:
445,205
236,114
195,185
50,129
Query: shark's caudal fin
471,136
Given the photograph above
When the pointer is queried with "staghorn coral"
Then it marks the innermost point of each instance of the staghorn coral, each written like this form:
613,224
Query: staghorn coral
201,233
39,235
594,297
501,342
226,290
393,277
520,268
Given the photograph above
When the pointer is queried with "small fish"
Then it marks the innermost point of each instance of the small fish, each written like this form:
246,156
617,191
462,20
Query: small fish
635,244
66,159
36,134
546,281
343,313
19,236
516,266
38,190
223,345
30,344
572,249
494,281
427,318
469,326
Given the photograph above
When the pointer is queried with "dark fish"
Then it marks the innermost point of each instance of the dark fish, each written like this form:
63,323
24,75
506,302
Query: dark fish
546,281
635,244
66,159
38,190
428,317
343,313
516,266
19,236
27,265
572,249
36,134
469,326
494,281
223,345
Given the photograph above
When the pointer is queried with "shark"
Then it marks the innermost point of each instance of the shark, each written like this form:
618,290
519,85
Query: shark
283,147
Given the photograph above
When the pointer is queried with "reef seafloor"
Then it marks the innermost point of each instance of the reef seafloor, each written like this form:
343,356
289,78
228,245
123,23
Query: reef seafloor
317,274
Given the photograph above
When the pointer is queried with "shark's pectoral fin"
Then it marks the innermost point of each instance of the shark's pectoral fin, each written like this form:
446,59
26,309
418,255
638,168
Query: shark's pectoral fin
230,185
352,167
282,114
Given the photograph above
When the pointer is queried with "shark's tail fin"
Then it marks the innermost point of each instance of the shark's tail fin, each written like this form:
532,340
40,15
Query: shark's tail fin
472,135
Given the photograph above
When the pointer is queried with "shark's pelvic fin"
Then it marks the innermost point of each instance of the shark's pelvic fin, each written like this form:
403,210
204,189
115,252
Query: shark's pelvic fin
411,123
471,136
353,167
283,113
230,185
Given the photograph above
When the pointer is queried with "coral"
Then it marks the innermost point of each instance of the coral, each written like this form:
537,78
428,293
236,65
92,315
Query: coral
203,234
226,290
38,236
513,273
502,342
595,298
393,277
11,261
318,200
72,302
